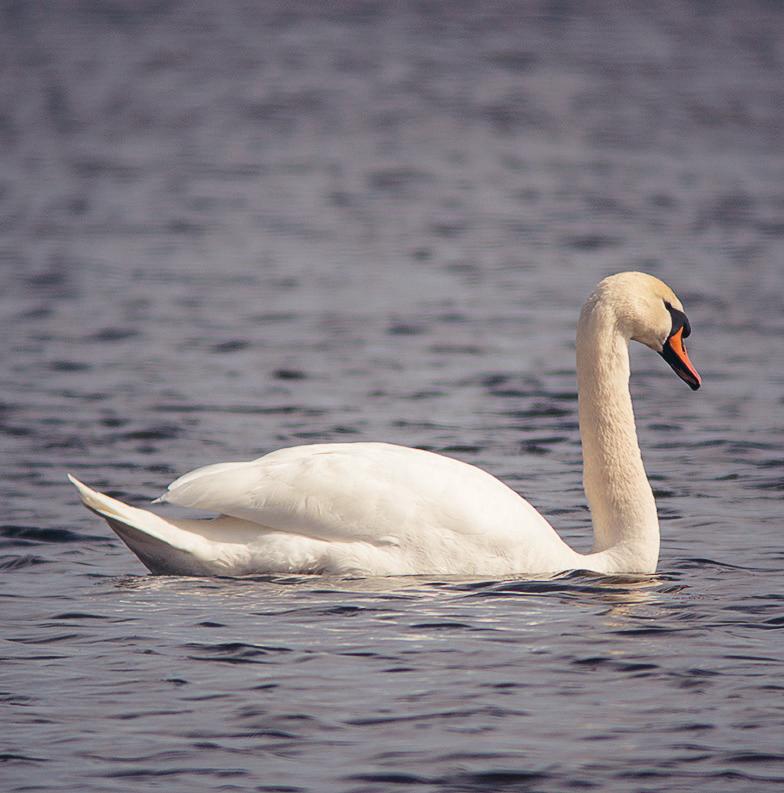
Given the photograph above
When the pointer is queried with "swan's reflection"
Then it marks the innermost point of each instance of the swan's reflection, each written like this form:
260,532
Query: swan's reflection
628,596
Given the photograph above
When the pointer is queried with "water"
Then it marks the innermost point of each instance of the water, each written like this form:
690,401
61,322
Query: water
230,228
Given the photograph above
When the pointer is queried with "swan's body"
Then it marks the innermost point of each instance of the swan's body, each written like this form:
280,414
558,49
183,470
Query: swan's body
380,509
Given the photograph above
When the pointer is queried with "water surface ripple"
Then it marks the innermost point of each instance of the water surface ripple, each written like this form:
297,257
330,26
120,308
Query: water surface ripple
233,227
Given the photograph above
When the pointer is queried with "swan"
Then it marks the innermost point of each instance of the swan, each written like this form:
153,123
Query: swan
377,509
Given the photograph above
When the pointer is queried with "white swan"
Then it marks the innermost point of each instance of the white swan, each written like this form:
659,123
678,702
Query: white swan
380,509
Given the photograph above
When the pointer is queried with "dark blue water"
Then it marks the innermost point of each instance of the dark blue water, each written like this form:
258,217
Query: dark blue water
230,227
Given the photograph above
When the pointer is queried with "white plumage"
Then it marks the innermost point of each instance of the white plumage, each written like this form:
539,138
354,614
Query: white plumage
344,508
381,509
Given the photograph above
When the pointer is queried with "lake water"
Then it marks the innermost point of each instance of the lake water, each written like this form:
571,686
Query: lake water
231,227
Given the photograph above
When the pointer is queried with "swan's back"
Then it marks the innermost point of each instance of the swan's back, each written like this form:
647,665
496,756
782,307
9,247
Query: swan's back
432,511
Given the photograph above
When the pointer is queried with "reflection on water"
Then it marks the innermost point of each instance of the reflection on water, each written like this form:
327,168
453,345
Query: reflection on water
566,586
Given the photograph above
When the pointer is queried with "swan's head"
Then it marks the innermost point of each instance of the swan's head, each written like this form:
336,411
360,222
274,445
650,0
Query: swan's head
648,311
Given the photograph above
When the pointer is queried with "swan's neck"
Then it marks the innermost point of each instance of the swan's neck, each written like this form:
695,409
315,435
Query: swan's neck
625,524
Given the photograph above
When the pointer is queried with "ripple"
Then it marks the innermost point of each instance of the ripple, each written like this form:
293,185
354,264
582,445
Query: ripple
234,345
233,652
32,535
391,214
114,334
10,757
9,563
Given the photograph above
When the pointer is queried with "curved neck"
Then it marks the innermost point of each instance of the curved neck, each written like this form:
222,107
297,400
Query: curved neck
625,524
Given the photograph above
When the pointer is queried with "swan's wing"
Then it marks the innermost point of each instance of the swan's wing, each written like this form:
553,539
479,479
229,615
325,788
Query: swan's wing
369,492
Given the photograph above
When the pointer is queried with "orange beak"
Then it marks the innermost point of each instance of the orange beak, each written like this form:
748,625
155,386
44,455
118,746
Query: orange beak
674,352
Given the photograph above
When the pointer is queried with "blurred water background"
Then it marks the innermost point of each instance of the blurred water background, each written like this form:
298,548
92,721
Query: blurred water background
227,227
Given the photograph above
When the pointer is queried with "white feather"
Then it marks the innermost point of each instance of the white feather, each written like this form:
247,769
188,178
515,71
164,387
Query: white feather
381,509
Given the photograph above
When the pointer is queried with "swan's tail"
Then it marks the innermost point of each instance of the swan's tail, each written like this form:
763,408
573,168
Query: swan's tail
161,545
